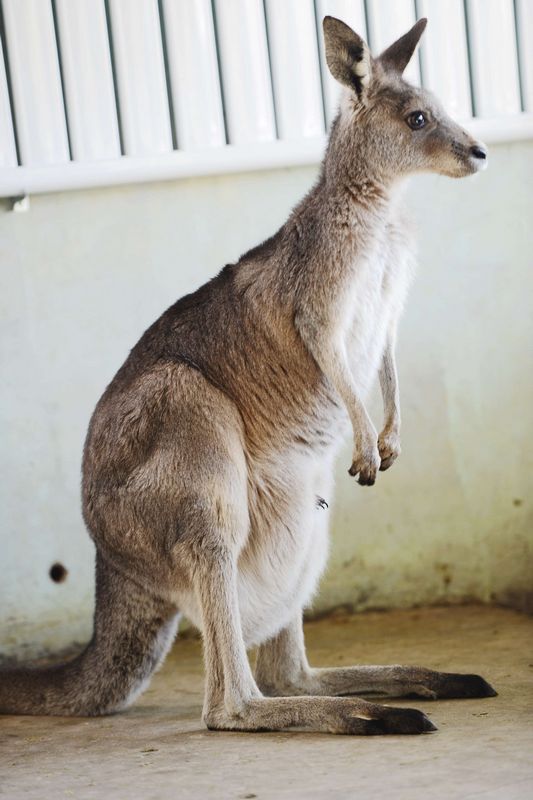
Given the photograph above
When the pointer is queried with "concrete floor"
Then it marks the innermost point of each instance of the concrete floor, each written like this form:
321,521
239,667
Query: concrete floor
159,749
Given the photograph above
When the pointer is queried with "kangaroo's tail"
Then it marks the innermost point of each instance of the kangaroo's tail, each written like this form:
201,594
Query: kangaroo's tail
133,631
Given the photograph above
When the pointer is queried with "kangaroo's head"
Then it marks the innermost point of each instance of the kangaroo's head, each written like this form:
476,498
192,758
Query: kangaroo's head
385,124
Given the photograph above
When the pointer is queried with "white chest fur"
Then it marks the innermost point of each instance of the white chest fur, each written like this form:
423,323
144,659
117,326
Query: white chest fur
377,296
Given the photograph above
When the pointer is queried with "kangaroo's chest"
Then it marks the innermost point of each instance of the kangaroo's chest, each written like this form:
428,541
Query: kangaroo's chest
377,293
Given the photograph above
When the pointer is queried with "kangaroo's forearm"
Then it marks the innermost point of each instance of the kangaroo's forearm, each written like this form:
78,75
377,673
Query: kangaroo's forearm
388,379
389,438
328,350
330,355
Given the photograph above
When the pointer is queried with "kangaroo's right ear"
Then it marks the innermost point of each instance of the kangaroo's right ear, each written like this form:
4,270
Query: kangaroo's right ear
347,55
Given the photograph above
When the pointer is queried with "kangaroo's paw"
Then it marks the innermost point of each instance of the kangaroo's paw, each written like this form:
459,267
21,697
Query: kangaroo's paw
433,685
454,685
400,720
366,465
389,449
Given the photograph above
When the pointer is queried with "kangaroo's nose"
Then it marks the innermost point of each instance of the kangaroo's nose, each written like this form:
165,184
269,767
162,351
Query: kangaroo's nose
478,152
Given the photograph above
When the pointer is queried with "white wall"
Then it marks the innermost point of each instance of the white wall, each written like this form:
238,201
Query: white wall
83,274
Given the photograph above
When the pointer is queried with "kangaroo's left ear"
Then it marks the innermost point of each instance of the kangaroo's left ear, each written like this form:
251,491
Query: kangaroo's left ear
398,55
347,55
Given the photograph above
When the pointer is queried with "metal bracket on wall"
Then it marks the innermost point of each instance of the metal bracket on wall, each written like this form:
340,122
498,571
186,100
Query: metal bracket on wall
20,204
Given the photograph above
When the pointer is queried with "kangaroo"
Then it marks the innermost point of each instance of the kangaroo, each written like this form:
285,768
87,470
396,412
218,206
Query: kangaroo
209,453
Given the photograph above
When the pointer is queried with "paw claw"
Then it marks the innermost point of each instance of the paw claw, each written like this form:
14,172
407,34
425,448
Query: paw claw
366,480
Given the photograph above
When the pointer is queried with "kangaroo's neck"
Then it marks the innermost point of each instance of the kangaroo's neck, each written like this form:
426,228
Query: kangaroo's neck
339,221
348,208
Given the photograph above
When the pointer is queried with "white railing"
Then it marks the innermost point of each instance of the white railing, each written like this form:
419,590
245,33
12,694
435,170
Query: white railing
96,92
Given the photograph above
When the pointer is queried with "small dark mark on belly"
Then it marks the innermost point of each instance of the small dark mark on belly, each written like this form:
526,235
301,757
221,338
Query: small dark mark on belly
321,503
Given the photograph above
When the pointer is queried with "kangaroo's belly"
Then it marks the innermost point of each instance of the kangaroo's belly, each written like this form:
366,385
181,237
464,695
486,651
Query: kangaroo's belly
287,547
286,554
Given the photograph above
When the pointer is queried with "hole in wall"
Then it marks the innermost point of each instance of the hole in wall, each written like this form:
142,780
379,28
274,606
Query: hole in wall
58,572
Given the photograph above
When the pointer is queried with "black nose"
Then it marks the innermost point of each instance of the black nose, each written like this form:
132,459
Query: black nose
478,152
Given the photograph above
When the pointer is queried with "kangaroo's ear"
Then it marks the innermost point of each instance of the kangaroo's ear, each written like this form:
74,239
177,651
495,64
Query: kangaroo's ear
347,55
398,55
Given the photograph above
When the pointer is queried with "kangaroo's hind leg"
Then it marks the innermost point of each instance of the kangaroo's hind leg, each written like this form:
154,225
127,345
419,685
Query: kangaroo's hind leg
233,700
282,669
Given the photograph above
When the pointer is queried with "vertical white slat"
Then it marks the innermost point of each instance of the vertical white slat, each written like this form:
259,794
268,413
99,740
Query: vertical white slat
36,82
140,76
88,79
352,12
524,27
295,68
387,21
245,71
493,56
444,55
193,69
8,151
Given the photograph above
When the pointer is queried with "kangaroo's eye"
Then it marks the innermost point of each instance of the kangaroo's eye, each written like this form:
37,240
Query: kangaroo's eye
416,120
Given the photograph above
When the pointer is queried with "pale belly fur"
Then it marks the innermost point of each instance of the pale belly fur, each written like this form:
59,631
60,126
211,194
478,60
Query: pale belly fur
287,547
